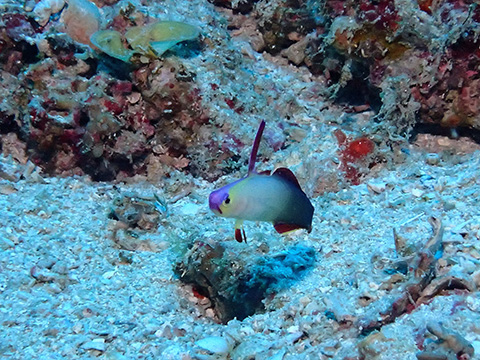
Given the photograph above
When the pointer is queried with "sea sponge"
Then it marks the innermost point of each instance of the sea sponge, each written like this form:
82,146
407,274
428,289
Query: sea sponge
110,42
82,18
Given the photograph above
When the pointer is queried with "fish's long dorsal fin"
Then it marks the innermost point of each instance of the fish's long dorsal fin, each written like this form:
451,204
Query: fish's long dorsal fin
256,144
288,175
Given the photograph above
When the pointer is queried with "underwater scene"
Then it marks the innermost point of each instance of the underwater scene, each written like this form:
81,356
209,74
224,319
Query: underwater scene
240,179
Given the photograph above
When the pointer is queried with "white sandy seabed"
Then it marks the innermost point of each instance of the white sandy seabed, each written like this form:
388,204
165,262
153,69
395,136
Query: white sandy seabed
68,290
75,284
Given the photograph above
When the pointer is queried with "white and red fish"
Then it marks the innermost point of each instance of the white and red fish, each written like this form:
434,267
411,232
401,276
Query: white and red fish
276,198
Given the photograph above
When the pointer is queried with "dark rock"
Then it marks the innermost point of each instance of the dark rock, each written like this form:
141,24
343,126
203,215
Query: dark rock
235,287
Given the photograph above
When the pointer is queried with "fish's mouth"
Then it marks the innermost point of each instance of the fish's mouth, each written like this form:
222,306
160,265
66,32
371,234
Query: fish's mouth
216,209
214,206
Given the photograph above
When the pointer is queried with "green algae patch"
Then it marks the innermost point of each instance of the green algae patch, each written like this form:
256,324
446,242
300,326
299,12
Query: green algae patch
138,38
160,36
166,34
110,42
151,40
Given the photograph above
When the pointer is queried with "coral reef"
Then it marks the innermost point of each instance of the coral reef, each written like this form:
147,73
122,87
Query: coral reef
415,67
288,22
16,44
78,119
412,62
369,56
107,127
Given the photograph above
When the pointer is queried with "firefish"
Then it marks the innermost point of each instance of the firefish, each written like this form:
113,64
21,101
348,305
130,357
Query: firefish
276,198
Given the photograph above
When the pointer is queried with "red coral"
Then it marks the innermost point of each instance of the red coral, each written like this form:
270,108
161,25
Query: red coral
139,122
113,107
354,156
358,149
420,339
72,136
39,119
232,105
425,5
232,142
120,88
382,14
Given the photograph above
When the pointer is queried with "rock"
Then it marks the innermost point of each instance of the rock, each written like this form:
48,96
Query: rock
376,187
249,349
96,344
296,52
476,278
417,192
432,159
214,345
109,274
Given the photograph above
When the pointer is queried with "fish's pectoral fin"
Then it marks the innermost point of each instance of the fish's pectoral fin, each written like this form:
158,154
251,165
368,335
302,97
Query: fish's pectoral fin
240,235
283,228
240,232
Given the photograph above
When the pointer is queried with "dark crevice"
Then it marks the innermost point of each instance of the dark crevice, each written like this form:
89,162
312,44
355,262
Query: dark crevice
438,130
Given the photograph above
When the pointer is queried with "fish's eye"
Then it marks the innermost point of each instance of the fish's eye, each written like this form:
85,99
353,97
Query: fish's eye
227,200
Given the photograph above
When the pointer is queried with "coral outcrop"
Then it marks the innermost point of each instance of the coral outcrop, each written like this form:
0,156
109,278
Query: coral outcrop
79,114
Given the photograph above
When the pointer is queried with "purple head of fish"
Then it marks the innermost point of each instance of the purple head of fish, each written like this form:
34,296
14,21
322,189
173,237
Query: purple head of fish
216,198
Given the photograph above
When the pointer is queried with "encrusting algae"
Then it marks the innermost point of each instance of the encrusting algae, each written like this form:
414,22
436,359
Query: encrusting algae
160,36
153,39
110,42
